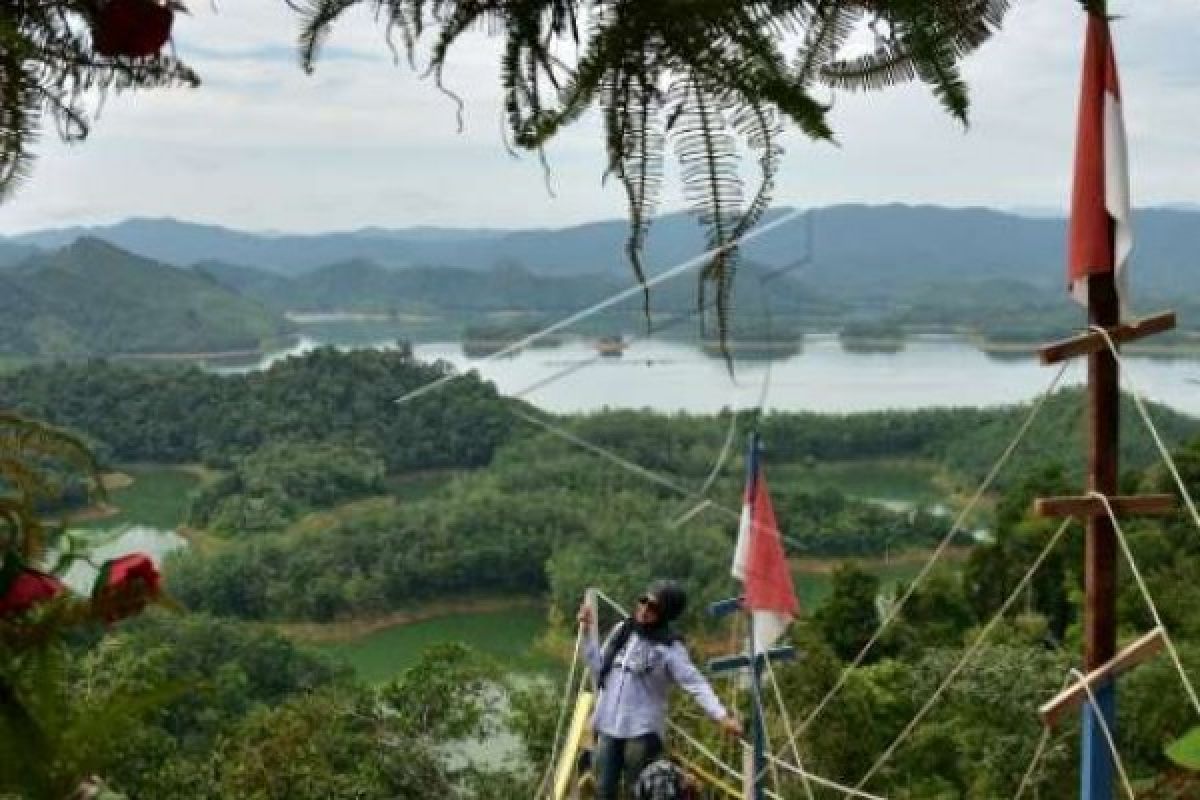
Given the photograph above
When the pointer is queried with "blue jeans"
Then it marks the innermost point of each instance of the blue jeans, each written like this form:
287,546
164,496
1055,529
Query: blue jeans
616,756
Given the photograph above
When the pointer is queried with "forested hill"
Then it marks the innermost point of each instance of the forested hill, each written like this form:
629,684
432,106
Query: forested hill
186,415
91,298
362,285
855,245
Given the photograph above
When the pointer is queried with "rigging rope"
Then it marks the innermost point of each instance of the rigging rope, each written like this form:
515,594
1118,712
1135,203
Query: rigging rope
641,471
787,728
968,654
1141,582
1098,715
855,792
1139,402
846,790
955,529
562,712
1039,751
610,301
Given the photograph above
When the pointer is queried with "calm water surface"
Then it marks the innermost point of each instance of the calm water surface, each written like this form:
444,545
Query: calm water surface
670,376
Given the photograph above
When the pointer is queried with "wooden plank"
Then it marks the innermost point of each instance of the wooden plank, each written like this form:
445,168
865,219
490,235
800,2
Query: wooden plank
1075,695
1088,506
1092,341
564,770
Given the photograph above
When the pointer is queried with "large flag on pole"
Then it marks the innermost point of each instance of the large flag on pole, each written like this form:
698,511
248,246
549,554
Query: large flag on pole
759,561
1101,233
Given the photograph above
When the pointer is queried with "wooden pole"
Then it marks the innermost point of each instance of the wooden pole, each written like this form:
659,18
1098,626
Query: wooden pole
1100,570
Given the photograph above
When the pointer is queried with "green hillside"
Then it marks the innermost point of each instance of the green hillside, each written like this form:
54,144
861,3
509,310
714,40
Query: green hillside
92,299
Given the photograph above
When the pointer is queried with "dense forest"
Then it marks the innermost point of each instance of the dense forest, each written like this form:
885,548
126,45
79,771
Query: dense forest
93,299
310,516
183,414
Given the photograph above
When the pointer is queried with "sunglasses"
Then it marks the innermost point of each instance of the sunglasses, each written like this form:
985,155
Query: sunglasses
649,602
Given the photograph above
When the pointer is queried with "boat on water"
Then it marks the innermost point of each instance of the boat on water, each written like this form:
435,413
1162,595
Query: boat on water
611,346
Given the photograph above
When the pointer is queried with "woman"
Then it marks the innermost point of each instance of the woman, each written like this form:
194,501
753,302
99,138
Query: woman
634,671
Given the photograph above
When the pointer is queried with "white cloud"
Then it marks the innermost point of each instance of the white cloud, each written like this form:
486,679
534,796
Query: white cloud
366,142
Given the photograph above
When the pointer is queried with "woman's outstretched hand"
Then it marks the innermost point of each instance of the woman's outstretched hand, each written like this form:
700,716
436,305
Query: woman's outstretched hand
585,616
731,726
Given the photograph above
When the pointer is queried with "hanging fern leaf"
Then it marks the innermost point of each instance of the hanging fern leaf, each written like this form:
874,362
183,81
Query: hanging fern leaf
921,40
49,67
731,55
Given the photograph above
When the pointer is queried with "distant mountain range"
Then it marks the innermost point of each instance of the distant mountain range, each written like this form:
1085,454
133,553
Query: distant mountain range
93,299
454,292
872,248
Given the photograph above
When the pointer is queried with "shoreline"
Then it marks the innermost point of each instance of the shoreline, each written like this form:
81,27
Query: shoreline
826,566
348,630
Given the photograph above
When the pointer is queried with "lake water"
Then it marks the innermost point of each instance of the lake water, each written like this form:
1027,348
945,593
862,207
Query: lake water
154,542
673,376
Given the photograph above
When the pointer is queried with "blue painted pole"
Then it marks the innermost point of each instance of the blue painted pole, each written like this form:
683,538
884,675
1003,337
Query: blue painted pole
760,747
1096,764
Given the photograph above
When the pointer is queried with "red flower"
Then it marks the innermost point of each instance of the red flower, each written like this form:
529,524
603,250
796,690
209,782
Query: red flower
124,586
132,28
28,589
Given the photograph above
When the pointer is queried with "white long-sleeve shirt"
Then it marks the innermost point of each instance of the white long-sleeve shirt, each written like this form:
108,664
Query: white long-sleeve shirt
633,701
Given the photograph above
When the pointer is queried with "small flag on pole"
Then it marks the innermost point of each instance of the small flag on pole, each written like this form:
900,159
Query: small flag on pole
1101,231
759,561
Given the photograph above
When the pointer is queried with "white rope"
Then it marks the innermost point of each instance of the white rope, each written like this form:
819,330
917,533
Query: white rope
562,712
955,528
787,728
762,721
1140,404
650,475
613,604
1098,715
704,751
1141,582
824,781
968,654
622,462
610,301
1038,752
731,770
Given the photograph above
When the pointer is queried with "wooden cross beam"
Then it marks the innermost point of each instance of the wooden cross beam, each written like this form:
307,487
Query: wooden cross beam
1092,506
742,660
1093,341
755,661
1076,694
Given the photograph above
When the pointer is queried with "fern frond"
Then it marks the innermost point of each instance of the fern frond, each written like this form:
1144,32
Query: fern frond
730,57
712,185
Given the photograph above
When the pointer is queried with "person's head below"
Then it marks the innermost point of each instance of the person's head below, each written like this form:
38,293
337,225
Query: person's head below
661,603
662,779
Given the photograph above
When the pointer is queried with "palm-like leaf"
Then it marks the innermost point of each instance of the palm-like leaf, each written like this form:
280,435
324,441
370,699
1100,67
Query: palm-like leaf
27,448
48,67
923,39
706,79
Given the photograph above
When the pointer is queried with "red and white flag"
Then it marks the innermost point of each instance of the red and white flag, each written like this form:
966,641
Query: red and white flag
1101,232
759,561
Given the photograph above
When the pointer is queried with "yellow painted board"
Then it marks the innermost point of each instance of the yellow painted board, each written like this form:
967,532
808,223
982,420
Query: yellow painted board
712,780
564,770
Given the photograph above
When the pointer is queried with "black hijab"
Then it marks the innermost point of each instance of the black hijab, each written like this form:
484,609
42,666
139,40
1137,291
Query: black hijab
671,601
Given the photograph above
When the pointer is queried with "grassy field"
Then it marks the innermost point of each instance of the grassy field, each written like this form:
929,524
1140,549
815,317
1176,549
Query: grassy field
899,481
814,579
158,497
12,363
507,636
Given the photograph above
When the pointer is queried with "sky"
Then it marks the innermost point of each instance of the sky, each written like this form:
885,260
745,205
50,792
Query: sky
366,142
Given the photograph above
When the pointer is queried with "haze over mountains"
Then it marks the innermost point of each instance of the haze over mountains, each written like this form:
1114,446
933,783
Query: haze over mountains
162,286
869,246
91,298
